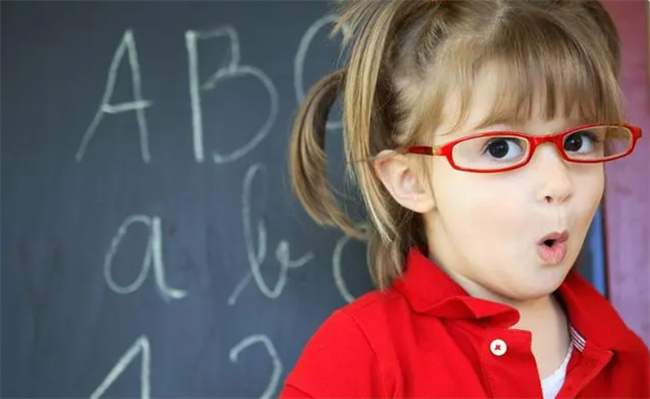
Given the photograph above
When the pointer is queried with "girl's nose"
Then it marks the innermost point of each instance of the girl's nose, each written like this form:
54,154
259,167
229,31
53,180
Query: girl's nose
552,171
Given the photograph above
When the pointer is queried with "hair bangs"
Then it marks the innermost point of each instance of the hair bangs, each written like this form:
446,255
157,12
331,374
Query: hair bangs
531,70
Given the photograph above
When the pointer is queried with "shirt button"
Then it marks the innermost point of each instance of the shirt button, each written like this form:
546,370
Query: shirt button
498,347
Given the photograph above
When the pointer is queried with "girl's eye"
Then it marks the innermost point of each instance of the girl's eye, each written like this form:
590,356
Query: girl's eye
504,149
580,142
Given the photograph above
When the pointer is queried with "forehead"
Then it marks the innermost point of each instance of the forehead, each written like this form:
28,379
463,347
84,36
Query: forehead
493,102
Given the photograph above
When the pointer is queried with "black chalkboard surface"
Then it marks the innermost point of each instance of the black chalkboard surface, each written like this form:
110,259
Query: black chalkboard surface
151,246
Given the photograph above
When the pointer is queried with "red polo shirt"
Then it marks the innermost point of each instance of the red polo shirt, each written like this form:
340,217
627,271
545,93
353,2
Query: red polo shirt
425,337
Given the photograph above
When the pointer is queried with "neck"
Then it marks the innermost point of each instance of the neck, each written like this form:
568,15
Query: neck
549,326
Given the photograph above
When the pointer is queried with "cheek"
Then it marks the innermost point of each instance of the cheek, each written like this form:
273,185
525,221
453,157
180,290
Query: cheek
478,209
589,187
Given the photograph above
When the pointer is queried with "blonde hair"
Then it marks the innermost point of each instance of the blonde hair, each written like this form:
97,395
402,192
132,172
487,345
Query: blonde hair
406,57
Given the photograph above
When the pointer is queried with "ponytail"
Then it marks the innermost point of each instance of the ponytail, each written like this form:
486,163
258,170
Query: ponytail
307,158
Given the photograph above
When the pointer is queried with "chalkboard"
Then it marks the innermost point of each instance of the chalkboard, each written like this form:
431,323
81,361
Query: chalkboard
151,246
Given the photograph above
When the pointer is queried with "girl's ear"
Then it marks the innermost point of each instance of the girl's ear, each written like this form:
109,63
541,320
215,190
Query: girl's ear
402,181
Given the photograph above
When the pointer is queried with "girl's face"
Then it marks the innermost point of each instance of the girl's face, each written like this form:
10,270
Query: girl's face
484,229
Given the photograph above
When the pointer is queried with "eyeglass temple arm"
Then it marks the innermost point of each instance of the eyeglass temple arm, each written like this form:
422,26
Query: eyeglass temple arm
423,150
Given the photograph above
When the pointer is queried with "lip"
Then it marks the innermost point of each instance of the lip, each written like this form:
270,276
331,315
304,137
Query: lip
558,237
556,253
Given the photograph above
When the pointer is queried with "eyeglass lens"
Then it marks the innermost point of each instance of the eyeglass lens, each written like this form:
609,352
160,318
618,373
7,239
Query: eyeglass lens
599,143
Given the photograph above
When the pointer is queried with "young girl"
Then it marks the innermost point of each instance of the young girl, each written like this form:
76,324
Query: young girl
477,132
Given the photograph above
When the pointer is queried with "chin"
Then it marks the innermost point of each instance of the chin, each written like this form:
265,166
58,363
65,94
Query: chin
547,281
534,285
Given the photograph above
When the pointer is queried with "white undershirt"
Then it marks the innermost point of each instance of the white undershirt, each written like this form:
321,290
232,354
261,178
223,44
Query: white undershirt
552,384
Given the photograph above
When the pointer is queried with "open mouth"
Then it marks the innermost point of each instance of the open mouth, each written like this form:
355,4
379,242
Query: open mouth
549,243
554,237
553,247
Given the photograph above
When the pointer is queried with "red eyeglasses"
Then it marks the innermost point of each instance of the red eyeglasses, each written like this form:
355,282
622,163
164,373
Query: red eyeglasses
502,151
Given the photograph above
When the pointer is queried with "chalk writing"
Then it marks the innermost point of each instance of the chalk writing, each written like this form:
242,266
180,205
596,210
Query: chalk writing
257,255
232,70
277,364
127,43
336,265
301,54
140,345
153,256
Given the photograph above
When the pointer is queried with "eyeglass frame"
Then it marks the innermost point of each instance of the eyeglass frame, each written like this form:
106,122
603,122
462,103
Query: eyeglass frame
534,141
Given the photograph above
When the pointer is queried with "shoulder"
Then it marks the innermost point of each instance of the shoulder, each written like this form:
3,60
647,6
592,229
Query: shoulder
361,323
635,351
603,324
375,307
345,356
631,365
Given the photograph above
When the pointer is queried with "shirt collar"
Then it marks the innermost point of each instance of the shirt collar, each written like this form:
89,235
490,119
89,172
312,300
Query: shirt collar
429,290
